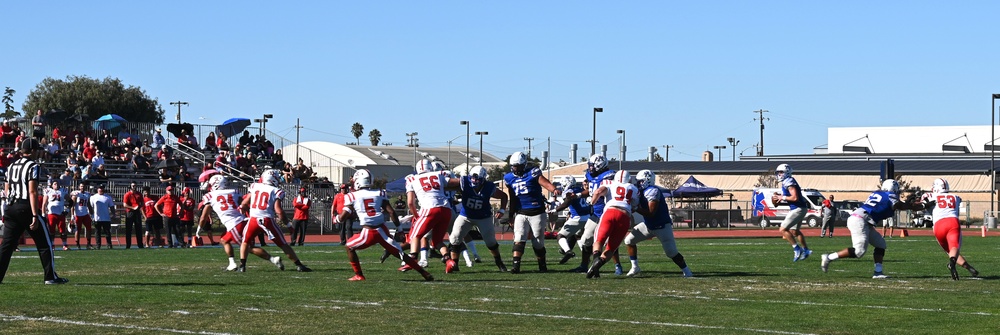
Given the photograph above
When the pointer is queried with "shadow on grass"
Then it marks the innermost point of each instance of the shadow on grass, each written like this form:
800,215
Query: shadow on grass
156,284
658,274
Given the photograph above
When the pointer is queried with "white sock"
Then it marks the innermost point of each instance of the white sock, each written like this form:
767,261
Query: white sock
635,262
232,260
423,255
564,244
471,245
878,267
833,256
465,255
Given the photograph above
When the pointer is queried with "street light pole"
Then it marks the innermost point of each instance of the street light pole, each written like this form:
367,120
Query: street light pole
621,148
481,133
593,139
413,143
733,142
720,147
993,136
466,124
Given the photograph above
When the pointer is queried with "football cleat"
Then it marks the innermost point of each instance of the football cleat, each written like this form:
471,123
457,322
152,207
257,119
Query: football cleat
634,271
357,278
951,268
618,269
578,269
566,257
879,275
797,254
302,268
516,269
687,273
973,272
385,255
805,254
241,268
450,266
825,263
404,268
422,263
56,281
232,267
277,262
501,267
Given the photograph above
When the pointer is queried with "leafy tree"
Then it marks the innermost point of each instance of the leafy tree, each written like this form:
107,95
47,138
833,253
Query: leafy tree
767,179
92,98
357,130
669,179
375,136
8,108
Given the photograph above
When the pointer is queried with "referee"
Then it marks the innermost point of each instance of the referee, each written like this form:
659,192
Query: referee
23,212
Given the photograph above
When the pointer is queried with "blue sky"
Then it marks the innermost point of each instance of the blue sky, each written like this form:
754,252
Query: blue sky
687,74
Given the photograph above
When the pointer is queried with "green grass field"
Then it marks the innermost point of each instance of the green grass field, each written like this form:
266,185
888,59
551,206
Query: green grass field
741,286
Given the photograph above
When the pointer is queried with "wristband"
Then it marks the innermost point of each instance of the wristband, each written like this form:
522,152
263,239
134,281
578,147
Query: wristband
783,199
502,211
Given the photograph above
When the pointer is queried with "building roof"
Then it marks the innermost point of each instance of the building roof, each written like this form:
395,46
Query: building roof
321,153
816,166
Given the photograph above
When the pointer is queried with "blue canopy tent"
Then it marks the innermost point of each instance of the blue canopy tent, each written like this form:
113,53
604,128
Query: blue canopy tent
396,186
692,188
108,121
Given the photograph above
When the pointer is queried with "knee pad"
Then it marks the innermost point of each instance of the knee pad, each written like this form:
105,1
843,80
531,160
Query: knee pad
457,247
519,247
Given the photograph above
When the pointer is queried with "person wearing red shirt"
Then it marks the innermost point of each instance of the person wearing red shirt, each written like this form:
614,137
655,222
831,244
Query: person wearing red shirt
168,206
187,206
154,223
89,151
8,132
301,218
134,206
346,228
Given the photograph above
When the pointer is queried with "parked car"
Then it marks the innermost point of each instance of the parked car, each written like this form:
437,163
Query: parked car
844,209
766,213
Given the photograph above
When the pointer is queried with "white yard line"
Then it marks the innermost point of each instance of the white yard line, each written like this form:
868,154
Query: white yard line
9,318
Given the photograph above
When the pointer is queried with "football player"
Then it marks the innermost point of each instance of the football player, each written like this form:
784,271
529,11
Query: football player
264,202
791,194
428,188
476,211
597,172
656,223
947,229
620,198
54,206
222,199
524,184
579,214
371,207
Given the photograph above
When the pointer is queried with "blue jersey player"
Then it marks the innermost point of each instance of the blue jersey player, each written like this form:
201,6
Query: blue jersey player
791,194
524,184
880,205
597,172
476,211
656,223
579,213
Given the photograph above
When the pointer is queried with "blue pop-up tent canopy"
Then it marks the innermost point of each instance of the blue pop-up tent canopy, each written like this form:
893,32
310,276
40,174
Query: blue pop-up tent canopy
692,188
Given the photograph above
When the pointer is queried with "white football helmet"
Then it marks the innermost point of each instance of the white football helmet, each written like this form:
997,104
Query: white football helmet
646,178
517,162
890,185
940,186
567,182
597,162
477,175
270,177
218,182
783,171
438,166
623,177
362,179
424,165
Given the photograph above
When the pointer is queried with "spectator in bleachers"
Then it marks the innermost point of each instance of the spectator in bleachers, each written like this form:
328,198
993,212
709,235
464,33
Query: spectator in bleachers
222,143
58,136
167,176
287,172
222,160
193,142
277,158
138,163
158,140
268,148
8,132
66,178
72,161
164,153
54,151
99,172
76,145
4,161
89,151
98,159
245,140
211,143
38,126
184,138
20,137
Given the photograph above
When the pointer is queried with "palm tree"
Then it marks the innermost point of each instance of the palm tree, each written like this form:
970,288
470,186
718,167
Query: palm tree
375,136
357,130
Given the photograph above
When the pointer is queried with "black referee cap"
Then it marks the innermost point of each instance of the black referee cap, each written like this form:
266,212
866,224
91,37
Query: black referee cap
29,144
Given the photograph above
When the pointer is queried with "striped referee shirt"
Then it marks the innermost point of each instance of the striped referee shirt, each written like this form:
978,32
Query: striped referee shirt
19,173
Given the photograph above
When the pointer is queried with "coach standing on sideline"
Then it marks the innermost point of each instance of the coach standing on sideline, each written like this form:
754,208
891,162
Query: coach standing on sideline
134,206
23,212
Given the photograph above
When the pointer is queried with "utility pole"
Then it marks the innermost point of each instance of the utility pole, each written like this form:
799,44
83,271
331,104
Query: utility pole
593,139
412,142
297,127
666,152
761,118
529,139
179,104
